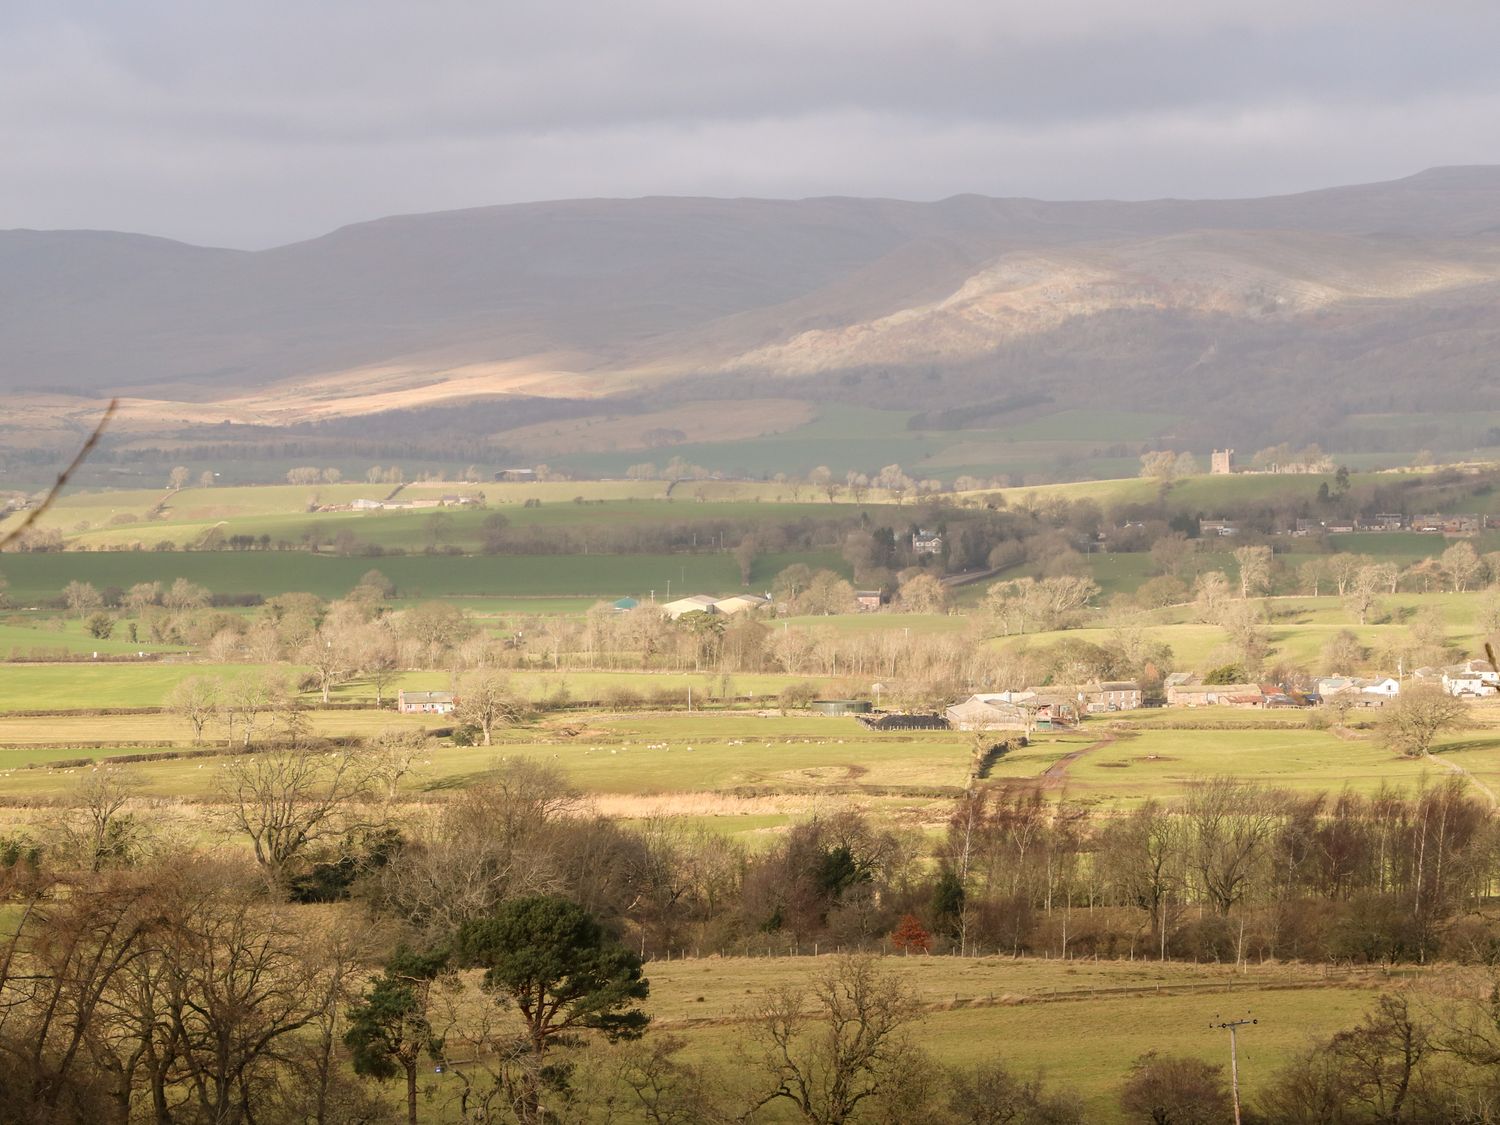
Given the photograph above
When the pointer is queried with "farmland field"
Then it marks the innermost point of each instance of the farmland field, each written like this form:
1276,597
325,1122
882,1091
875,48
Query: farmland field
1085,1044
36,577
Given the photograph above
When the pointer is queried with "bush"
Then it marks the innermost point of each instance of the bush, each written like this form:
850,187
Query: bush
1176,1089
796,697
621,697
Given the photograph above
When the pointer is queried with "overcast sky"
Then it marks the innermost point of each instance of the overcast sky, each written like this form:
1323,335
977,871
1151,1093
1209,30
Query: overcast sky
252,124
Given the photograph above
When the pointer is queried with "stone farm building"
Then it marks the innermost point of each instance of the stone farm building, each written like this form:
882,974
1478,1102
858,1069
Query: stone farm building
1215,695
1114,695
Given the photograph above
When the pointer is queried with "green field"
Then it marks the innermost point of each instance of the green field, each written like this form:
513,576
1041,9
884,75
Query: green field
40,576
1085,1043
631,755
63,634
82,686
463,527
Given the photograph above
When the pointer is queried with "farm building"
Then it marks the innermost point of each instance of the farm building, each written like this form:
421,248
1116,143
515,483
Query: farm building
738,603
988,712
1051,711
693,603
896,721
1215,695
867,599
425,702
1114,695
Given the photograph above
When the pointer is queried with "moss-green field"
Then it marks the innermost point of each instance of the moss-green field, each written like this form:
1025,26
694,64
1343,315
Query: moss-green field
41,576
1084,1043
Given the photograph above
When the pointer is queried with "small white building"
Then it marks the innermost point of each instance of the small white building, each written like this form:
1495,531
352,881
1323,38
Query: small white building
1381,690
1465,685
926,543
425,702
1475,678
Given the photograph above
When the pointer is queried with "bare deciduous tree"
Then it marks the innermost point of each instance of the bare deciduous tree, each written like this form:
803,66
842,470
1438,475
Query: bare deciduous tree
1421,713
1232,824
486,701
837,1042
197,700
288,800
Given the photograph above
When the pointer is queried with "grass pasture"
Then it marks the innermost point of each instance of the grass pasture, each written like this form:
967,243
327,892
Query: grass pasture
37,577
1084,1043
22,638
635,756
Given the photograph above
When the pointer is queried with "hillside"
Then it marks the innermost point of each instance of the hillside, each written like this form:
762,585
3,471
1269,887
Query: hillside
1256,319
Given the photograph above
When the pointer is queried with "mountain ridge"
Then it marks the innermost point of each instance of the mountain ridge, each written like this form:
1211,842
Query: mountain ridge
597,297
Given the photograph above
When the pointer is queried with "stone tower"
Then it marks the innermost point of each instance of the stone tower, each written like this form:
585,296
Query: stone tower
1222,462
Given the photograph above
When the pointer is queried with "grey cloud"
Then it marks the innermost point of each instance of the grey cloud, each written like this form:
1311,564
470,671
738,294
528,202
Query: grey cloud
248,124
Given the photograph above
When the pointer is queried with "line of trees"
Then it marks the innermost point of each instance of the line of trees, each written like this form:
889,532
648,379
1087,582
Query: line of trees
144,976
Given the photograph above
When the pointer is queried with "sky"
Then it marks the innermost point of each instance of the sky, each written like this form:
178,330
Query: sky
256,124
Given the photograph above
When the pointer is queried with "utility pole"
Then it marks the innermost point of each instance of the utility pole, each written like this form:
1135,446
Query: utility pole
1232,1026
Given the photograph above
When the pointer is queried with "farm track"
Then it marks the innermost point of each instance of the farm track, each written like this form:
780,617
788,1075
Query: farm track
1055,776
1466,775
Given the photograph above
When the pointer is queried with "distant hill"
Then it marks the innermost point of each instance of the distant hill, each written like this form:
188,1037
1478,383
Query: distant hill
1263,318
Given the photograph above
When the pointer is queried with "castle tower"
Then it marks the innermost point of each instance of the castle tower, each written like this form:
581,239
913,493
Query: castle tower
1222,462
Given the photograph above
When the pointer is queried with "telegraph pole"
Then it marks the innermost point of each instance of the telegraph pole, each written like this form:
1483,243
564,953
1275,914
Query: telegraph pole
1232,1026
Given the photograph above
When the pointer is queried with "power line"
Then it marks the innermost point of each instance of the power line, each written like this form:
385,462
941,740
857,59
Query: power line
1233,1026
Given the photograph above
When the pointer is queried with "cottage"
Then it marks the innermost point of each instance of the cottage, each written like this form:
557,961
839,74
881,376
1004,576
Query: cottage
1464,684
1116,695
425,702
1097,698
1381,690
867,599
1330,686
926,543
1474,678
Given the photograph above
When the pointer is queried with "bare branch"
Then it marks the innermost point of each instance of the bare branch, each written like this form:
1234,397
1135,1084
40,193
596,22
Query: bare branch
62,478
